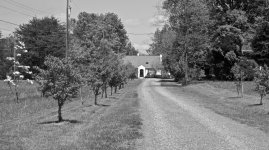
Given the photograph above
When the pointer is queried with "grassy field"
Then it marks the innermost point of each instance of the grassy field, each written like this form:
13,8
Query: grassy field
113,124
30,101
249,86
222,98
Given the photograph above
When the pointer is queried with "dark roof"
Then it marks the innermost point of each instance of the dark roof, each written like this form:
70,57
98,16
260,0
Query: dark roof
146,61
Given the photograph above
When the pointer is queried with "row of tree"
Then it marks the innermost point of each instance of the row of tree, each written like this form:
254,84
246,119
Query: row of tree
46,36
209,37
94,60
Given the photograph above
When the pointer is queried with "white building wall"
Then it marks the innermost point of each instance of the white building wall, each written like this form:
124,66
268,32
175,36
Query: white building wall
144,70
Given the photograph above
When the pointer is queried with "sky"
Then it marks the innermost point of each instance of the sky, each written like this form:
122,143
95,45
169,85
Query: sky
138,16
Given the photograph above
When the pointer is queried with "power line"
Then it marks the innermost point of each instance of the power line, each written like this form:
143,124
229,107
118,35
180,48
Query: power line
16,11
25,6
18,6
9,22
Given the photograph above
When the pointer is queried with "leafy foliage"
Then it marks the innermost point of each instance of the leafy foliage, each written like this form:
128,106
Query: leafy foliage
260,43
59,80
42,37
185,38
92,28
17,71
262,81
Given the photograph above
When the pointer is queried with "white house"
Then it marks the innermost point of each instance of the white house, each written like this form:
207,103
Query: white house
146,65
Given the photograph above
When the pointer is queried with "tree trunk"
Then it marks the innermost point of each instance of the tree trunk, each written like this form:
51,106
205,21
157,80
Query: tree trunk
102,93
111,87
186,68
241,84
105,91
80,93
60,118
115,89
96,93
17,94
261,103
95,98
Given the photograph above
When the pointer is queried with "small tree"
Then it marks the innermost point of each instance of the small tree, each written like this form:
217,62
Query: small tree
262,81
59,80
242,70
17,70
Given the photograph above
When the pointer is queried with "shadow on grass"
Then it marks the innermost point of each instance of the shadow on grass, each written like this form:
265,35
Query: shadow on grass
234,97
112,97
65,120
253,105
102,105
88,105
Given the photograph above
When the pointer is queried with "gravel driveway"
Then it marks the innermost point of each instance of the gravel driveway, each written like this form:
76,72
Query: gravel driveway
172,121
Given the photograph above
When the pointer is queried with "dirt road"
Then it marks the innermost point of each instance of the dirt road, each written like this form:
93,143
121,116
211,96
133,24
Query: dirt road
175,121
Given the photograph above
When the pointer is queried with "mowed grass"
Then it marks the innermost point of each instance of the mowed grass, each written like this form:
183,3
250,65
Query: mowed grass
249,86
113,124
30,101
118,128
222,98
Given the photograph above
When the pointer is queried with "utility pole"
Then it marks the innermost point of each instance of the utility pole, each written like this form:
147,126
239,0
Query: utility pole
67,28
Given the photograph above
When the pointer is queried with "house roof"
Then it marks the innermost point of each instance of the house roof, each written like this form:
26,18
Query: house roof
146,61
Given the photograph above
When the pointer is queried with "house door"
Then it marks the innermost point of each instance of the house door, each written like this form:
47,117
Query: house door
141,72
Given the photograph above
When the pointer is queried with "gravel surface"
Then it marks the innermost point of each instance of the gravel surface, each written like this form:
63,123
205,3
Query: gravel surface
173,121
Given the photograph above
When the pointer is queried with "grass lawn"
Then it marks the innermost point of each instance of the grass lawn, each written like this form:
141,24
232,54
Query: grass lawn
222,98
113,124
249,86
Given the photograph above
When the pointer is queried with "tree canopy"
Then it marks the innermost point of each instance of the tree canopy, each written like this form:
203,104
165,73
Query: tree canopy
42,37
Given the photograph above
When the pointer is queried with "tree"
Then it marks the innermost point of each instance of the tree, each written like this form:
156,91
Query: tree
6,50
227,47
16,71
59,80
189,19
130,50
42,37
253,8
243,69
262,81
92,28
100,39
260,43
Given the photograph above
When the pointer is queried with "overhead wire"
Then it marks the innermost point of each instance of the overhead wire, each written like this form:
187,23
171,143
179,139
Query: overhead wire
9,22
12,2
22,13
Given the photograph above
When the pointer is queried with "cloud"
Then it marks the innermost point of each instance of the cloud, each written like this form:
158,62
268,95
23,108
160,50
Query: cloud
141,48
132,22
158,20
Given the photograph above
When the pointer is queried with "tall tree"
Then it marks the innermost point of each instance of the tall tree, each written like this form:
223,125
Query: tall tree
92,28
42,37
130,50
189,19
260,43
